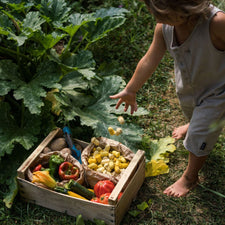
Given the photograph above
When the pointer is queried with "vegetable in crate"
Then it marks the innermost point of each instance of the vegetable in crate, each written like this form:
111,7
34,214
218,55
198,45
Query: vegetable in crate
37,168
95,199
106,160
79,189
68,171
104,198
54,163
103,186
44,177
68,192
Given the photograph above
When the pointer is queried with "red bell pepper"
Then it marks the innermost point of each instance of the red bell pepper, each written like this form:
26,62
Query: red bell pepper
68,171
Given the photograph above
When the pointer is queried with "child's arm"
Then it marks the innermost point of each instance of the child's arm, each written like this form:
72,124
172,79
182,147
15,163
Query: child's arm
144,70
217,31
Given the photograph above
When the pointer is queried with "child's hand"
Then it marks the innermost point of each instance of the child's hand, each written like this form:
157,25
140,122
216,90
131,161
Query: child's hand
128,97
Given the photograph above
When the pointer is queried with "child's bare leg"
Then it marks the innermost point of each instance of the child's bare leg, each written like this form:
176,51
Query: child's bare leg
189,179
180,132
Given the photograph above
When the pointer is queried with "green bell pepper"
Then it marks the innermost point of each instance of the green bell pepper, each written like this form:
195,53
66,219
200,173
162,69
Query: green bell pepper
54,162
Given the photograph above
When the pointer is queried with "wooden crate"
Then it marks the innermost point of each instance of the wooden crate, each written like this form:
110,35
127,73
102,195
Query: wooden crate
130,182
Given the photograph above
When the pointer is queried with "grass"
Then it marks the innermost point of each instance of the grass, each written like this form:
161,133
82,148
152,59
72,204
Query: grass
124,49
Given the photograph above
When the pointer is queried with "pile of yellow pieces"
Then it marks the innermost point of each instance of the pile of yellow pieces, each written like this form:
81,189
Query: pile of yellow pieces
106,160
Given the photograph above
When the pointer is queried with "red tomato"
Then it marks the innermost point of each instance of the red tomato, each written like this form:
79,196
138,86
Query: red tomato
119,196
104,198
103,186
95,199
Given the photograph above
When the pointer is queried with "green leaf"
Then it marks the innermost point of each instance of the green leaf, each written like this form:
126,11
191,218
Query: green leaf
158,149
48,74
161,148
13,190
157,155
8,77
20,6
100,28
87,73
8,167
134,213
96,114
112,11
56,10
143,206
99,222
20,39
11,132
6,25
82,60
79,220
81,19
33,22
48,40
72,81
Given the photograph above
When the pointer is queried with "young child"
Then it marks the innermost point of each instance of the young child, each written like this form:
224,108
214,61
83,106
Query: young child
194,34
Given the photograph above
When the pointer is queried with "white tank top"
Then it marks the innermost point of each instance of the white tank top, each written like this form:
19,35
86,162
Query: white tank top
199,67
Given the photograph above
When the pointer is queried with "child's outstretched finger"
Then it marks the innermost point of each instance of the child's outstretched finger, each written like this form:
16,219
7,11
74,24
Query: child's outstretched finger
115,96
126,107
133,108
119,103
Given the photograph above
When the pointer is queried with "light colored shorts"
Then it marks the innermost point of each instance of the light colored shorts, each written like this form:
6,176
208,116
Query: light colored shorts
201,136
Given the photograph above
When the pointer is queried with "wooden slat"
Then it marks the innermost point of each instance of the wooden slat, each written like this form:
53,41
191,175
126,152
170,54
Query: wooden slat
66,204
22,169
130,193
127,175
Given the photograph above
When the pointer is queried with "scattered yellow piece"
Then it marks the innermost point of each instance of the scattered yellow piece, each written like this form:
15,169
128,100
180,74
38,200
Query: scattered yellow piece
118,131
111,131
121,120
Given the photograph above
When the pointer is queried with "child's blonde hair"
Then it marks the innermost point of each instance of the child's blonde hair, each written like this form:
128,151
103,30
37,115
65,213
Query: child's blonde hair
184,8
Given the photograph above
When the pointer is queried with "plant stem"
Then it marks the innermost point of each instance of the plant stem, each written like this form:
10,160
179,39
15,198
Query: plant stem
214,192
22,114
77,47
68,45
12,52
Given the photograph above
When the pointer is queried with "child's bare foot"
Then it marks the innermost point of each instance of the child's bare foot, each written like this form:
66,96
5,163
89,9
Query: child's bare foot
180,132
181,187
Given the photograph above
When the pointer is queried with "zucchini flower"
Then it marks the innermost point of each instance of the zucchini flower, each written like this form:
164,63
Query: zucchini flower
44,178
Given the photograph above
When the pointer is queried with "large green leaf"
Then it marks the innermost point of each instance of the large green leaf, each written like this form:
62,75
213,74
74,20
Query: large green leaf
98,115
76,21
57,11
81,60
157,155
8,167
5,24
12,133
48,75
100,28
32,22
80,19
158,149
9,78
48,40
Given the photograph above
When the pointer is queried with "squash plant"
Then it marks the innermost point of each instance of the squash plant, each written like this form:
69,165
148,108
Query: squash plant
48,76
